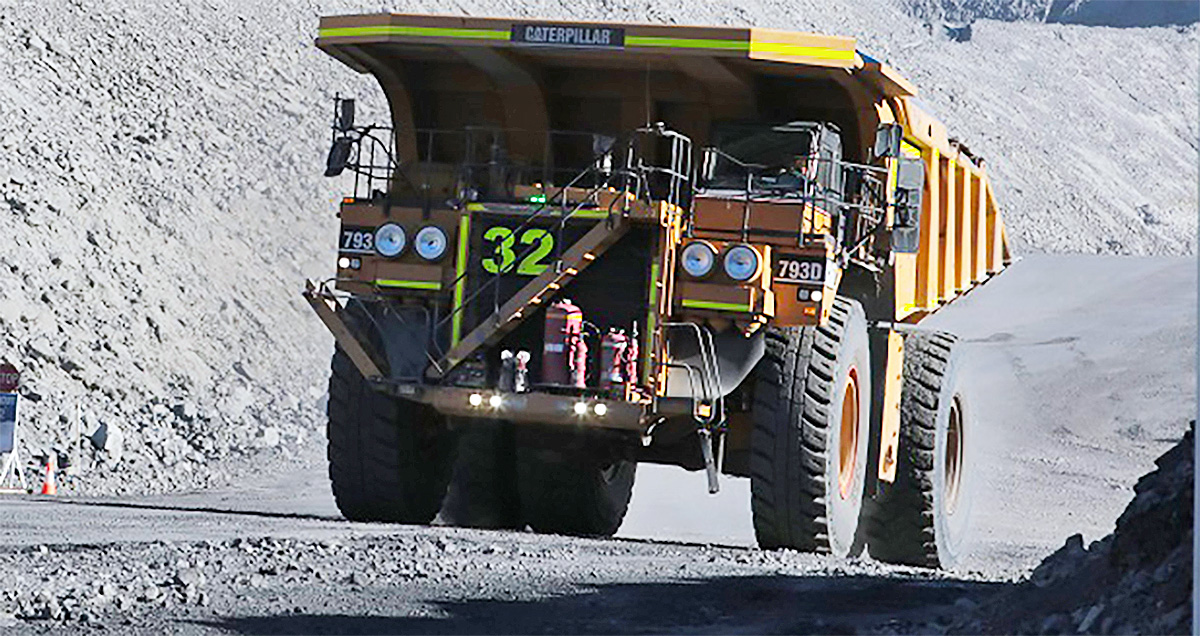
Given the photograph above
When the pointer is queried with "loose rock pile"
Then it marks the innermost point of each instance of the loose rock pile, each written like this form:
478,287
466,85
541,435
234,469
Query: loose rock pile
1137,580
161,203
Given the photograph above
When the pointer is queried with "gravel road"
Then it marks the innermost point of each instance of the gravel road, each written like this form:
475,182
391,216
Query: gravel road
1082,369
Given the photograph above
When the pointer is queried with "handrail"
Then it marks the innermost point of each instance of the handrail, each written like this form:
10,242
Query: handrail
809,191
541,211
635,179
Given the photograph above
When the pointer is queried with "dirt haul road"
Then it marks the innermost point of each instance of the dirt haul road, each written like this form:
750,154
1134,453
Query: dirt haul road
1082,369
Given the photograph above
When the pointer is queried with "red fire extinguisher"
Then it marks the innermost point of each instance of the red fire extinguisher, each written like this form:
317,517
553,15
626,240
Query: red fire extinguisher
612,359
564,351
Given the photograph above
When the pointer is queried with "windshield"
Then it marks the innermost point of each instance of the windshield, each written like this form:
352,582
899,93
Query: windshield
770,158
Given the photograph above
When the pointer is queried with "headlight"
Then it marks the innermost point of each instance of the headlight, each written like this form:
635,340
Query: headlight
390,239
430,243
698,259
741,263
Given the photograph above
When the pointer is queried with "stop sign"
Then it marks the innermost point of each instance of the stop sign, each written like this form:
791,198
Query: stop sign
10,378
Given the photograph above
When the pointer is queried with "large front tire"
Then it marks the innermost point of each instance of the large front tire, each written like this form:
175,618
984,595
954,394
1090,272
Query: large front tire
388,460
573,492
483,492
812,405
921,519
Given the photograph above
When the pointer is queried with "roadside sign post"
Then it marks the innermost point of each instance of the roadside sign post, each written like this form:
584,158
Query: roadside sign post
75,467
11,477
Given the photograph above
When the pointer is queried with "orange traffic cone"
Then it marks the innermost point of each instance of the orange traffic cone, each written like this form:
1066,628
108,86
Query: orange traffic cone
49,485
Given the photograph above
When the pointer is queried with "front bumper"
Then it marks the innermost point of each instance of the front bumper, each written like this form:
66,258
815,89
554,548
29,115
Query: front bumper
533,407
529,408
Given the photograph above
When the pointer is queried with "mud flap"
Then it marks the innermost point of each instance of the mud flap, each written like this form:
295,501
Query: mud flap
405,337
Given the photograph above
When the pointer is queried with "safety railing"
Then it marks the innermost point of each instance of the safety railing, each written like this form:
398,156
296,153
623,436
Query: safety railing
856,207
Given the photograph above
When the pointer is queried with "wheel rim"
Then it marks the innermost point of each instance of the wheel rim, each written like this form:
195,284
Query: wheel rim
848,435
954,456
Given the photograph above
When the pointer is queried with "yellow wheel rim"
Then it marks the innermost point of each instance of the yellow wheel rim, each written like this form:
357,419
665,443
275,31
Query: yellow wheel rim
954,458
848,435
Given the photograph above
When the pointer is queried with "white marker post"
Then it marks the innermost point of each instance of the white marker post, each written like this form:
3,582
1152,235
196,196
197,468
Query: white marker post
75,467
12,480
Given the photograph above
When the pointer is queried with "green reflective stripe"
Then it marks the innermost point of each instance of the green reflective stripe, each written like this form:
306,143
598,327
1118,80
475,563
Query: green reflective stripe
409,284
590,214
552,209
782,48
686,43
709,304
434,32
460,285
651,322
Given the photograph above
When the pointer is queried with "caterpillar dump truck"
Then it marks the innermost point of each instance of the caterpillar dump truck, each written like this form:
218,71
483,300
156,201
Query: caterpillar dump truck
581,246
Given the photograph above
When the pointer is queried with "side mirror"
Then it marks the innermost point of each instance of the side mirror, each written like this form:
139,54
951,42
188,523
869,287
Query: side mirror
339,156
910,175
345,115
887,140
708,164
906,220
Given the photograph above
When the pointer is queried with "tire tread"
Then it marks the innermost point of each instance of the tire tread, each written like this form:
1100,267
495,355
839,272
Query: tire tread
795,388
902,521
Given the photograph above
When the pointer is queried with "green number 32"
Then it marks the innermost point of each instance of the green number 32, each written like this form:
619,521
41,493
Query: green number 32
505,242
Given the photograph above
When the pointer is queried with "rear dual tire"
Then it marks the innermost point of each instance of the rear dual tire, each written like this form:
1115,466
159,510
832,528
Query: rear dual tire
483,491
505,479
922,518
576,494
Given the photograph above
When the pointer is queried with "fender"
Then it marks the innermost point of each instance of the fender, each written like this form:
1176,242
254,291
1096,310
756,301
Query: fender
736,356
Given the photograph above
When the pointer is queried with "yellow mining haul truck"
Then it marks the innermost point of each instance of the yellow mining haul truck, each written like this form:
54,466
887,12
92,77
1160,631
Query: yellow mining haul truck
580,246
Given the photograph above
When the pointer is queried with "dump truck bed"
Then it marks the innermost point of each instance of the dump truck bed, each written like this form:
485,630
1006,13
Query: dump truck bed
633,41
528,77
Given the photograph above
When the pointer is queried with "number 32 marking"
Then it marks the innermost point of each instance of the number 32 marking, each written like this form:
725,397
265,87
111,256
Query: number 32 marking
504,241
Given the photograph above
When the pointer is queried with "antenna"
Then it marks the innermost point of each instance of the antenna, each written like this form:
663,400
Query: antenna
647,93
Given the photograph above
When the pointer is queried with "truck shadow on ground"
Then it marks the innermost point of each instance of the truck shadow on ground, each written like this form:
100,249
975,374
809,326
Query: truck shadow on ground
753,604
202,509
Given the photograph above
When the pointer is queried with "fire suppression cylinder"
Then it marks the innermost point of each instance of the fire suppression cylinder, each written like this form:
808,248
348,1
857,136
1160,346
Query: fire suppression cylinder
618,359
564,351
612,358
629,361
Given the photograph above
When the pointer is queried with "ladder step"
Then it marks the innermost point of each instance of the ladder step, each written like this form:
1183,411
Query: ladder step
489,332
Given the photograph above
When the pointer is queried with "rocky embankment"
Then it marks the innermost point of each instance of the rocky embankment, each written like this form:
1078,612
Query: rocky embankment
1137,580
